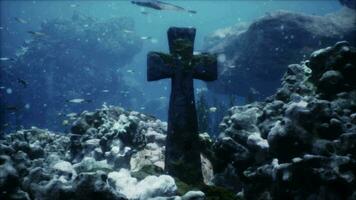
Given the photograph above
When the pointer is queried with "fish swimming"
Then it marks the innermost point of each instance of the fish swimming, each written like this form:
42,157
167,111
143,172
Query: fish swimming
6,59
128,31
12,108
22,82
159,5
212,109
22,21
79,101
146,37
144,12
36,33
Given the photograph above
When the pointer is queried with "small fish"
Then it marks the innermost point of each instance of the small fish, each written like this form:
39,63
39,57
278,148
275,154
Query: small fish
2,87
6,59
105,91
159,5
71,114
128,31
20,20
154,40
212,109
231,66
146,37
36,33
22,82
12,108
1,27
162,97
144,12
74,5
79,101
130,71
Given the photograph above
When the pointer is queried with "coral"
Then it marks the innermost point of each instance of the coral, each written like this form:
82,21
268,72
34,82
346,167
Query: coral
298,143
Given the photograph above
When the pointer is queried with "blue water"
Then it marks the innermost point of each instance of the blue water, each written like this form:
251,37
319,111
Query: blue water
210,16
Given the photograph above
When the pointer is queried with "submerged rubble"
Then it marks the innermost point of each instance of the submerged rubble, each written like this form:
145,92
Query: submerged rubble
110,154
254,57
300,142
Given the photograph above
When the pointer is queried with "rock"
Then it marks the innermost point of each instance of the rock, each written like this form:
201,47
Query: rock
65,168
9,177
330,82
94,186
149,187
287,140
348,143
349,3
80,127
309,127
288,36
227,150
19,195
89,164
194,195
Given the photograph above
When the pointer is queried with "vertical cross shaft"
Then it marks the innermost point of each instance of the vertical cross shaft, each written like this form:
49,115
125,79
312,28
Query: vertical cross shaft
182,158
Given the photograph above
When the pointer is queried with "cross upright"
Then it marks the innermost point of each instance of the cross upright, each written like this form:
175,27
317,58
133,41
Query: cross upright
182,157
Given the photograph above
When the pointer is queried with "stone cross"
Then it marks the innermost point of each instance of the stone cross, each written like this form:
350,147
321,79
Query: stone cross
182,158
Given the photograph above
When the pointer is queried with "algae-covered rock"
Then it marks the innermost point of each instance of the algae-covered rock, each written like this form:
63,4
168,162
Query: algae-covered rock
308,130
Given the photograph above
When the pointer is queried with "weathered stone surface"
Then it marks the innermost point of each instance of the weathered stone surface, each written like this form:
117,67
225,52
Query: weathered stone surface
182,146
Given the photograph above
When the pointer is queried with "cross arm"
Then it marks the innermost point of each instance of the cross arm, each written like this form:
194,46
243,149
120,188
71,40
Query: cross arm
205,67
159,66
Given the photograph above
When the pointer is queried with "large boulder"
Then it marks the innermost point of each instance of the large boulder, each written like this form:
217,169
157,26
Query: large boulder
300,142
253,58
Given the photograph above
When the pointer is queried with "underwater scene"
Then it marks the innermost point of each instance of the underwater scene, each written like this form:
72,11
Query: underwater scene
177,100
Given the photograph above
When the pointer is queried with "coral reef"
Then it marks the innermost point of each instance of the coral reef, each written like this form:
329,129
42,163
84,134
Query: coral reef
110,154
297,144
254,57
300,142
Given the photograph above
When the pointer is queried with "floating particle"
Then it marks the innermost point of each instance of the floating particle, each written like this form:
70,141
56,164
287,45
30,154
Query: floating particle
9,91
27,106
222,58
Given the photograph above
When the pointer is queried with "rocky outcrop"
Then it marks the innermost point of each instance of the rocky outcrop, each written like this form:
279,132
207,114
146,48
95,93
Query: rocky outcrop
348,3
300,142
253,58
